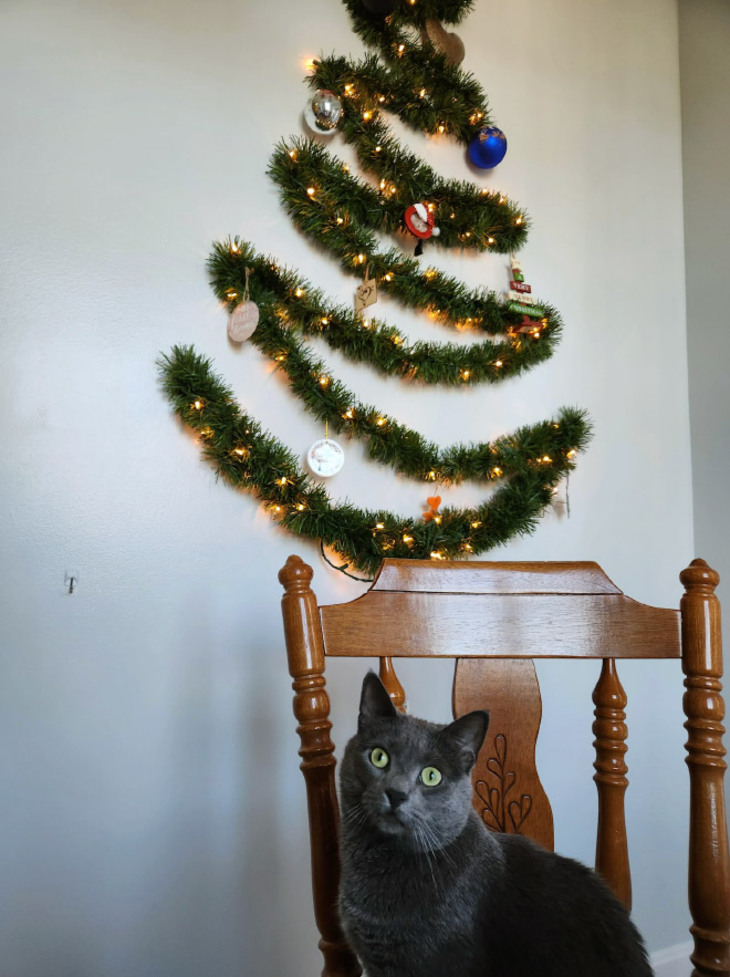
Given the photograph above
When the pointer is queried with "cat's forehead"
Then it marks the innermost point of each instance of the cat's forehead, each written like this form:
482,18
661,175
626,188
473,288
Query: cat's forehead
404,732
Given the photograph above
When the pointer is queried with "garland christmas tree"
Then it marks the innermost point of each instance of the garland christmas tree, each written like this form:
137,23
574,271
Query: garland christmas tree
414,76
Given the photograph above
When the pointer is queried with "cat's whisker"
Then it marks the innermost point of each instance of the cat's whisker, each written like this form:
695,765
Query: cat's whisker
356,815
433,842
427,851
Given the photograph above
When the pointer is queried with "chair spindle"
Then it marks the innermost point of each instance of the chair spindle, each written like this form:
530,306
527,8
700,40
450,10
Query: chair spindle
609,728
392,684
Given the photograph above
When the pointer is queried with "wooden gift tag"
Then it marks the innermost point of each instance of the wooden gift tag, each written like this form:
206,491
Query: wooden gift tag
367,293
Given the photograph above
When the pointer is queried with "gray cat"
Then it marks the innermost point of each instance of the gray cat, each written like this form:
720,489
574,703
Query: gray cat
427,891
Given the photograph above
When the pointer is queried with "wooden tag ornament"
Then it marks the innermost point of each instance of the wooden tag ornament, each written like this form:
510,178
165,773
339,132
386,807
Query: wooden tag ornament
243,320
367,293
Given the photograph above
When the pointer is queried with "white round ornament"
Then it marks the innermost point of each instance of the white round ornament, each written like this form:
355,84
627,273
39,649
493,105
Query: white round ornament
242,321
325,457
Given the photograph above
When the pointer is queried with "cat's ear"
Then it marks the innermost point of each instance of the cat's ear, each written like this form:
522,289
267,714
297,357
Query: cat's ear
375,703
468,733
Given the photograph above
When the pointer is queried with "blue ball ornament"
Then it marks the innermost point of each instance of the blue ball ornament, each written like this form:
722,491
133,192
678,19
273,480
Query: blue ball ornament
487,147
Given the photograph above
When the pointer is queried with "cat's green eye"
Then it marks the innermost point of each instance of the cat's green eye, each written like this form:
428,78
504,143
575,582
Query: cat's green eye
430,776
379,758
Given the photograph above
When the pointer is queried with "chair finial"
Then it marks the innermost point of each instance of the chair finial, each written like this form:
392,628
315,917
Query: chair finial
699,576
295,575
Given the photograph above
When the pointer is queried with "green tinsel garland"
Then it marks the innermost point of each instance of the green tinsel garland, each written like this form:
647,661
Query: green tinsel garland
252,459
430,95
425,289
421,87
419,64
372,26
342,214
289,304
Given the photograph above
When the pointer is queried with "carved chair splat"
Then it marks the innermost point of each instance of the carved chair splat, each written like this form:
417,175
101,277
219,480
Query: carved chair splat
494,619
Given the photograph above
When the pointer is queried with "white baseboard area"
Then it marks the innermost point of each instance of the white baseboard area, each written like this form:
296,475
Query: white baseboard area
673,961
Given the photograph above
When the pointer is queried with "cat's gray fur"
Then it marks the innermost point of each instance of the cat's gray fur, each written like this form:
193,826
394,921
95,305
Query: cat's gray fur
427,891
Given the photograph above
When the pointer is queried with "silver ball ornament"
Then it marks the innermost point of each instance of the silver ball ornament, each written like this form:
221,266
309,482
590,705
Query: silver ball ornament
323,112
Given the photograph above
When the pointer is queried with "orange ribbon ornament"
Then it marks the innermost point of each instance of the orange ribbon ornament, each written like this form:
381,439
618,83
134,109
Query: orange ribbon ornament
433,502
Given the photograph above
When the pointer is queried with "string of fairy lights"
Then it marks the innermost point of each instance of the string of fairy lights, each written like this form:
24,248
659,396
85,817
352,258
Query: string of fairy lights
290,305
313,186
346,216
252,459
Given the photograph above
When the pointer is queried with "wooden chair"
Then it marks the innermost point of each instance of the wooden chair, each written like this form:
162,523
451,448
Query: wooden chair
494,618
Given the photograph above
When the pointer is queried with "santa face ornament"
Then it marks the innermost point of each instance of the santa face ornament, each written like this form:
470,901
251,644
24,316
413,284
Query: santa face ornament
421,222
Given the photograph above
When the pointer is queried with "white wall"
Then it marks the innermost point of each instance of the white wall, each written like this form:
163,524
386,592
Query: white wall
154,821
705,73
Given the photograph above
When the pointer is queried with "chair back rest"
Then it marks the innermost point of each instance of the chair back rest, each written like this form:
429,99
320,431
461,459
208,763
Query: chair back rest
494,619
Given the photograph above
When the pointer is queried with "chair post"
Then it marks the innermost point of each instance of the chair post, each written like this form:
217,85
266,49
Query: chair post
709,865
305,651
